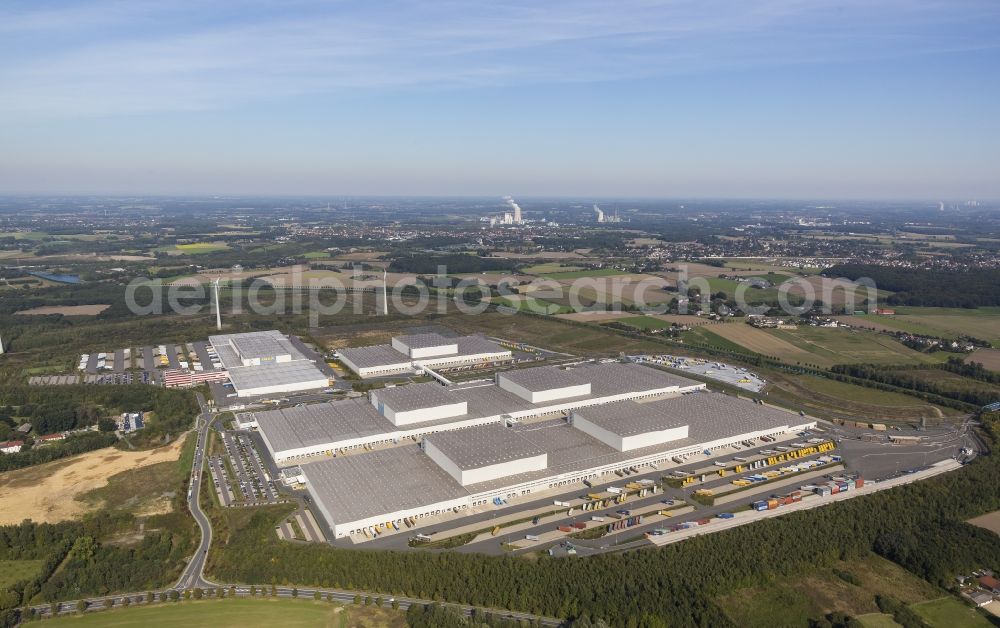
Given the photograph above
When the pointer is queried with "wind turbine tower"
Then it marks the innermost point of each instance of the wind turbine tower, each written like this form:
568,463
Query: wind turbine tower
1,345
218,306
385,292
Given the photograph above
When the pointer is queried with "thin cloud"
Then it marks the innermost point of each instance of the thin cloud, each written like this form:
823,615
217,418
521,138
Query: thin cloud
152,57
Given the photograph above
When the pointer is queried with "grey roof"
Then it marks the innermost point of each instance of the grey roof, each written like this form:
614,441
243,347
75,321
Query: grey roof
378,482
423,341
374,355
317,424
415,396
472,345
276,374
254,344
544,378
384,355
482,446
403,477
483,399
260,345
629,418
227,356
614,378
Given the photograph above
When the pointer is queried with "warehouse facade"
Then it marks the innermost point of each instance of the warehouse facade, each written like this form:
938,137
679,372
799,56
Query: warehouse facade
458,470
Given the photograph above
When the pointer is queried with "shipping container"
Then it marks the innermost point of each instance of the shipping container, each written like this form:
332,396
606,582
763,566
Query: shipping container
579,525
564,529
772,504
530,537
726,515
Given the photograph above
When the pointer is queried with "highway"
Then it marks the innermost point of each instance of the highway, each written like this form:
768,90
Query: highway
342,596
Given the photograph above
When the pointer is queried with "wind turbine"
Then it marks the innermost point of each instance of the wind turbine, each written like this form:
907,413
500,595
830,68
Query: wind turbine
385,292
218,306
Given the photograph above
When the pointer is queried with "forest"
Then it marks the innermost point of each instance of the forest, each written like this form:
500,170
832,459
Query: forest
926,287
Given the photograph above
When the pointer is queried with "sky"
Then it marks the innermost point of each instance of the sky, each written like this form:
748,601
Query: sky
631,98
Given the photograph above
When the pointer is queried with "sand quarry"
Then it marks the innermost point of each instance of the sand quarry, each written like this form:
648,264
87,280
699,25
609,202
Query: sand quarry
45,493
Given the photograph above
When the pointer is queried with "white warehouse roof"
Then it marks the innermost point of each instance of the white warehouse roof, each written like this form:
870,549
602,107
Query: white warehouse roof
415,396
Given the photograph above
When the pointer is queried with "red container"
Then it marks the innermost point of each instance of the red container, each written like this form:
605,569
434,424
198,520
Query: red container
702,522
580,526
834,489
858,483
565,529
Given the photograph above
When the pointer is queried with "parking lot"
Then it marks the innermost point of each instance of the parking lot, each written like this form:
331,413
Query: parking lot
240,475
719,371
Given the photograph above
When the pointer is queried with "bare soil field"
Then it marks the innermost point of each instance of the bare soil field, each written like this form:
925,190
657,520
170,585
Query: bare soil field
990,521
595,317
47,492
989,358
66,310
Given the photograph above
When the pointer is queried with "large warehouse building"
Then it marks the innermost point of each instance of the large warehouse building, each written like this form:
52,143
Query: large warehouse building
292,435
460,469
266,363
406,354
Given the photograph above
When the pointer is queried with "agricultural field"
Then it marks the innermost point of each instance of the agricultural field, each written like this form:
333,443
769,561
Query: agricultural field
595,316
990,521
825,346
948,612
827,397
644,322
551,267
531,304
237,613
983,323
12,571
989,358
794,600
66,310
49,491
317,255
577,274
198,248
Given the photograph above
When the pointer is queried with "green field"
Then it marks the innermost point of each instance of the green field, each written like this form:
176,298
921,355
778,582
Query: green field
753,295
12,571
877,620
198,248
531,304
947,612
236,613
841,346
316,255
595,272
644,322
551,267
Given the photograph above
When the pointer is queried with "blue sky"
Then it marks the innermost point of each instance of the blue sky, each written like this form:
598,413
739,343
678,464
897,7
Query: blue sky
778,98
